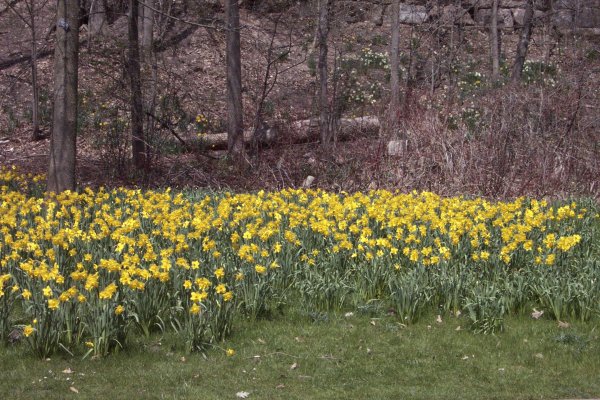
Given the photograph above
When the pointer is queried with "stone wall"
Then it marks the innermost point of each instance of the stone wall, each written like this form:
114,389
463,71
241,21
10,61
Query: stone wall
581,15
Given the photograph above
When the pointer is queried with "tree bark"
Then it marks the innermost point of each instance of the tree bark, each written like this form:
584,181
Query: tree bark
150,67
138,142
395,68
494,42
97,18
302,131
35,106
61,171
29,21
147,27
324,112
235,116
523,45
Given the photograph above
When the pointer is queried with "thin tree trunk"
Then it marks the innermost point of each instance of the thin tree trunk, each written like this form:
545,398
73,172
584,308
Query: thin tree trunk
494,42
235,118
147,27
395,67
523,45
36,135
138,143
149,62
29,21
61,171
324,114
97,18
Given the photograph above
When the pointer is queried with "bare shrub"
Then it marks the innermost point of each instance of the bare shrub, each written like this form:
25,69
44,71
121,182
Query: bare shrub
532,140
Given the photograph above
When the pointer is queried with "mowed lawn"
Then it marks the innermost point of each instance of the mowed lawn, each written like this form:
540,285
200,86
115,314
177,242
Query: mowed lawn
329,356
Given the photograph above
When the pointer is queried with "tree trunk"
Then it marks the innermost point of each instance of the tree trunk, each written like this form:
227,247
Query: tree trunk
35,106
494,42
302,131
395,68
150,67
138,142
235,117
29,21
97,19
61,171
147,27
324,114
523,45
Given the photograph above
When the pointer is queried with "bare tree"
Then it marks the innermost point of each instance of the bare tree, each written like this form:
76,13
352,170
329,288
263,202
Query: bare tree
394,66
61,171
149,65
235,117
523,45
323,97
147,18
494,42
97,18
138,142
29,20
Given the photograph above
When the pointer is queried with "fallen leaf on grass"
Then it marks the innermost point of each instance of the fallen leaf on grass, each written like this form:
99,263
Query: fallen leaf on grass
537,314
294,366
242,395
73,389
563,324
457,328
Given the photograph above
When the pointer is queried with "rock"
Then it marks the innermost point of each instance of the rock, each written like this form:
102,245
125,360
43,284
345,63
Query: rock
451,14
588,18
483,16
308,181
377,14
353,11
576,4
488,3
587,31
519,16
396,147
505,17
412,14
561,18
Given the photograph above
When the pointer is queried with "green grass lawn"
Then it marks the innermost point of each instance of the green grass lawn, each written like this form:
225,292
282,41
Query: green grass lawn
330,356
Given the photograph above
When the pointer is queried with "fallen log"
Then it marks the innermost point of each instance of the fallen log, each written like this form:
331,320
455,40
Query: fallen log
7,63
297,132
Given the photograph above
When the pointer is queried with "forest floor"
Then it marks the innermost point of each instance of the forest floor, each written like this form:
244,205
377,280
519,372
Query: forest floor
452,123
